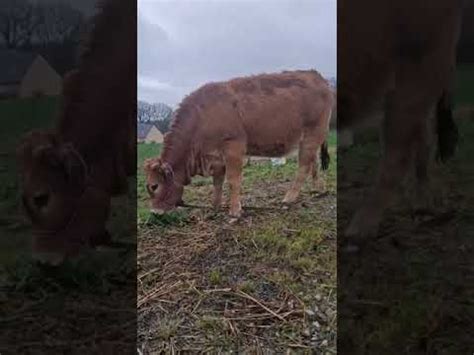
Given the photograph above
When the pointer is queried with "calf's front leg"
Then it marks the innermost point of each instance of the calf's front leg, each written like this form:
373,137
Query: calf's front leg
218,182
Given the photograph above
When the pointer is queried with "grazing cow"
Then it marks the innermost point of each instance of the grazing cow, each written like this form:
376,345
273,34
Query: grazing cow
69,174
398,57
217,125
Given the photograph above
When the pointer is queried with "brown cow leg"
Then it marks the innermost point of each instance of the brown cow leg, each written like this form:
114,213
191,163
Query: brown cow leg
306,161
407,113
218,181
419,83
234,158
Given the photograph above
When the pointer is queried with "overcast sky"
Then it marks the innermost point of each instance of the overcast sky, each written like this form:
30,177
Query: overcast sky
183,44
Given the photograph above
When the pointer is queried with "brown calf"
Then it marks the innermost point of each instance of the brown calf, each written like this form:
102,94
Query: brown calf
264,115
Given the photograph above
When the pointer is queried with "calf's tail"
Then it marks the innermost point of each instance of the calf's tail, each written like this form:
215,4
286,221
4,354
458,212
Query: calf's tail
447,130
324,156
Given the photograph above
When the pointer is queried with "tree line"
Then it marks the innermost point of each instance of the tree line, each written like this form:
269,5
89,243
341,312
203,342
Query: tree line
158,114
50,28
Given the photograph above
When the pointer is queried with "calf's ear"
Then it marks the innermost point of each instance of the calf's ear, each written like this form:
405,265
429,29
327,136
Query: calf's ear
162,169
74,165
166,171
47,154
151,164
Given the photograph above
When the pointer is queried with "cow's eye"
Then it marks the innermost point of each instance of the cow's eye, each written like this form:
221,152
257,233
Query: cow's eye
152,188
40,200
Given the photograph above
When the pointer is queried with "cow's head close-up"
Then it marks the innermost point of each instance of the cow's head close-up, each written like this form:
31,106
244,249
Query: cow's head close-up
164,189
53,183
52,179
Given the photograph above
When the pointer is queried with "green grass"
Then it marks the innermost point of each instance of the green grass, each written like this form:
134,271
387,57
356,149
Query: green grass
147,150
22,115
215,277
464,80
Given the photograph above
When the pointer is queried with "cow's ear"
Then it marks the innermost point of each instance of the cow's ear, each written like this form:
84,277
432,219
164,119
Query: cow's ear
73,164
166,171
151,164
47,154
161,168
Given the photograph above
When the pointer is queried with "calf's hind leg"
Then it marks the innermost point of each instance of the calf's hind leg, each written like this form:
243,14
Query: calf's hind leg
406,115
306,162
234,160
218,180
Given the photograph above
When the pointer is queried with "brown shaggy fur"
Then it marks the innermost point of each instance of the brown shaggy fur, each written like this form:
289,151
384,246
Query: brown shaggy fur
102,89
263,115
397,57
96,126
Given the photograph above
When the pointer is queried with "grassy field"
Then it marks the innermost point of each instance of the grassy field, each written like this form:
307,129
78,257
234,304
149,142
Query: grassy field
266,282
464,80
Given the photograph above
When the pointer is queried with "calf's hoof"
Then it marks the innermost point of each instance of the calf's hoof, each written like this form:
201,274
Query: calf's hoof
290,198
351,247
49,259
157,211
236,214
236,211
364,225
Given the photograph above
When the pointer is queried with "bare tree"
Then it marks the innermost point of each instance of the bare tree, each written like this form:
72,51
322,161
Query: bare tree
18,21
24,23
59,23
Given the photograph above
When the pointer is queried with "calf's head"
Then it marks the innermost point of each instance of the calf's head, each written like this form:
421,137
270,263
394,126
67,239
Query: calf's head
52,178
163,187
52,183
